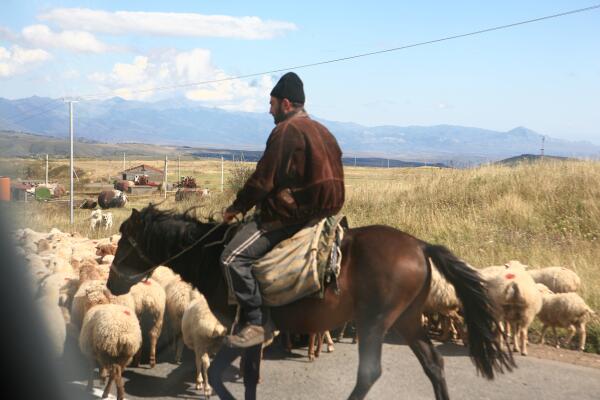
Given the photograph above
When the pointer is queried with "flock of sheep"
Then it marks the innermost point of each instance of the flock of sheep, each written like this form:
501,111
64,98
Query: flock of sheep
67,275
519,295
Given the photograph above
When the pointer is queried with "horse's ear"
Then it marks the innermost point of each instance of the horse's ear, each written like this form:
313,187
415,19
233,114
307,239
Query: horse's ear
135,215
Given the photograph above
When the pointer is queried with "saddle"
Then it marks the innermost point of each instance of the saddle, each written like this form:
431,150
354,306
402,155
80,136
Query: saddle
301,266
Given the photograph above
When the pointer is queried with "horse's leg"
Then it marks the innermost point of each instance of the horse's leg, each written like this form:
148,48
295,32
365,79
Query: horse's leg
369,356
251,371
222,360
409,326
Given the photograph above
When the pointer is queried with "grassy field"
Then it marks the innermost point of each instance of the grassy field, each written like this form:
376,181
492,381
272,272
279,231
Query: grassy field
542,214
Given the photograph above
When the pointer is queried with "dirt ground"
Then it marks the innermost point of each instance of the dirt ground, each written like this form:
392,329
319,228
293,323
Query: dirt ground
563,355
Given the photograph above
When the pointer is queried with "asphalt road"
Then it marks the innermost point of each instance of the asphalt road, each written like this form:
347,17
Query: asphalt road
332,376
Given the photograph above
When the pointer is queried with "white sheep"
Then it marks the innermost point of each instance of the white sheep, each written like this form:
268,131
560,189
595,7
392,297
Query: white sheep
567,310
442,301
149,299
58,264
179,296
202,332
557,279
163,275
111,336
52,317
90,294
518,301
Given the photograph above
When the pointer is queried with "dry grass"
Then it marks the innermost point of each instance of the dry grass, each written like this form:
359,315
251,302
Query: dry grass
543,214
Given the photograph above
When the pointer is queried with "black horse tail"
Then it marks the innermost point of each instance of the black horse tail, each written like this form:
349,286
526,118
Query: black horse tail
480,316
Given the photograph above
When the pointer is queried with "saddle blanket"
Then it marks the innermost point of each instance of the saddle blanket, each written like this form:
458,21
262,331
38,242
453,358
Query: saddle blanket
298,267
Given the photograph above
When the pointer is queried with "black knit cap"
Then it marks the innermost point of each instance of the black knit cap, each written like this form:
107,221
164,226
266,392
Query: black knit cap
289,87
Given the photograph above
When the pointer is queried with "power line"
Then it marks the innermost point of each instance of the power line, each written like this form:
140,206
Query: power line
372,53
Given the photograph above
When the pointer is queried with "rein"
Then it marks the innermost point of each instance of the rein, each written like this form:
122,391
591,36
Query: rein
146,273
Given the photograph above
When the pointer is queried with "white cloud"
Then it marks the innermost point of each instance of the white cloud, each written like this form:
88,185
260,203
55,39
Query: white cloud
78,41
169,24
18,60
7,34
140,78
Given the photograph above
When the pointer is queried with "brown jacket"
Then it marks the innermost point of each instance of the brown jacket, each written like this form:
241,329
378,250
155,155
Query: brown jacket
299,177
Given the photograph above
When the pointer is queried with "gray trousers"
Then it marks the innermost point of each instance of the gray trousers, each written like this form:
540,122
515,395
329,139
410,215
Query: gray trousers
249,244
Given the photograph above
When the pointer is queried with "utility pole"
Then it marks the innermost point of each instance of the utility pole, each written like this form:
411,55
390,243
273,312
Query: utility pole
222,175
123,161
71,166
46,169
355,161
542,149
178,168
166,171
388,162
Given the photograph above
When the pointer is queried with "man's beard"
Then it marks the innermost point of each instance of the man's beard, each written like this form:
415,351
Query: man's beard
279,115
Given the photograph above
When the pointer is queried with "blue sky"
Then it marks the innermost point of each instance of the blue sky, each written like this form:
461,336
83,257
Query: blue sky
545,75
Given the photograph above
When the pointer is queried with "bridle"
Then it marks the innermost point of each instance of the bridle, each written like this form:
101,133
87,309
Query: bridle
133,279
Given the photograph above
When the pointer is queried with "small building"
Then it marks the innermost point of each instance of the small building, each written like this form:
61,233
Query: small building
133,174
19,191
141,189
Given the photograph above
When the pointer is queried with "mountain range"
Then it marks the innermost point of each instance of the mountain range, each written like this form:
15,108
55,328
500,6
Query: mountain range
181,122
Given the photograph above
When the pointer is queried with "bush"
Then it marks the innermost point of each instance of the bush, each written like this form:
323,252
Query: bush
238,176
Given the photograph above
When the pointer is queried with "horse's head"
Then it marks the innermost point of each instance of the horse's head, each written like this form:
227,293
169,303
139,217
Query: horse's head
130,264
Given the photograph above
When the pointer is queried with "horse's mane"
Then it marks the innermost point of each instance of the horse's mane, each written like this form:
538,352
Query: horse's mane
168,229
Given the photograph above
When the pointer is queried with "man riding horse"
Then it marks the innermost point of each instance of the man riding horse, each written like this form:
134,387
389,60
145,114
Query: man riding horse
298,179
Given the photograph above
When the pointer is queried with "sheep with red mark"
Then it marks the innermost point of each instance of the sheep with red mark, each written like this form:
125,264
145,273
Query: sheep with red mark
149,298
92,293
518,301
110,336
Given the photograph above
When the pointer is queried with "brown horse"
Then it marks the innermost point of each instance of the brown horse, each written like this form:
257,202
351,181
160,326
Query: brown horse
384,281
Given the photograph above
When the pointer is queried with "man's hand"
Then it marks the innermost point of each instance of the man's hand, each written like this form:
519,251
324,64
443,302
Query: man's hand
229,214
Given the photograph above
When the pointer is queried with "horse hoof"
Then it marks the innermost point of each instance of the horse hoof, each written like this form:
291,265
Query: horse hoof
330,349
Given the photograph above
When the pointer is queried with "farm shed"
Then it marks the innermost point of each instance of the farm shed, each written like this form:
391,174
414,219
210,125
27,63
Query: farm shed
134,173
141,189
